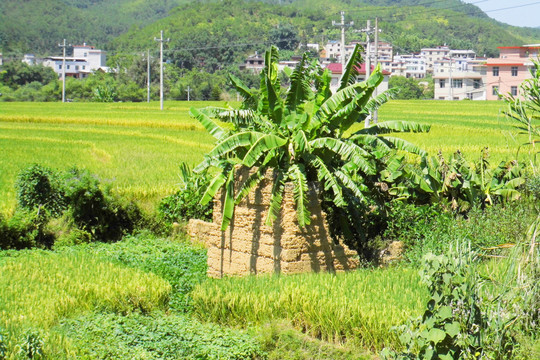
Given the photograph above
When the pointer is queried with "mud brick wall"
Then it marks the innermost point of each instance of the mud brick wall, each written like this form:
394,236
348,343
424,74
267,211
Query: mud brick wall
249,246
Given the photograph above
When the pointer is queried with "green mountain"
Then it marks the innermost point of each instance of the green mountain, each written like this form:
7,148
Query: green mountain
213,34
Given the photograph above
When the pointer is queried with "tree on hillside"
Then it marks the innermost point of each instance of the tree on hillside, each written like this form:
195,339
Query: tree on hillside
16,73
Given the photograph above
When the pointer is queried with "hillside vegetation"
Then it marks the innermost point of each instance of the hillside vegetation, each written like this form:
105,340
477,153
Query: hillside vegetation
213,34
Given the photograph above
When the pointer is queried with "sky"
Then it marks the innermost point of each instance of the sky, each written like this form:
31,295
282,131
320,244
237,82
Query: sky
513,12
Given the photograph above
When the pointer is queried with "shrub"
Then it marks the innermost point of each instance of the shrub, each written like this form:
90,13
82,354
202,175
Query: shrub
95,210
184,204
39,188
24,230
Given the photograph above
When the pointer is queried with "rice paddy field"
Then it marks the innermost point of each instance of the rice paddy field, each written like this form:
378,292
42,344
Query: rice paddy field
136,148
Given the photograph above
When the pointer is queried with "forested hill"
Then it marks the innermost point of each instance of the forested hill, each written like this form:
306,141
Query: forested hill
214,33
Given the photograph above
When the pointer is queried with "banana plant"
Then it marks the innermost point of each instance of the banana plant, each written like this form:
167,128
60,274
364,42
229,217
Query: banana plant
524,110
302,134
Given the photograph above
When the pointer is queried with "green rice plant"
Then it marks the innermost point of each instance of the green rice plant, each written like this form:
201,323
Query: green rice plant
359,306
39,288
177,262
137,147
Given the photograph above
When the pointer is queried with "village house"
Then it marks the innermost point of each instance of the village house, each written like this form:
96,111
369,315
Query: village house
510,69
85,60
409,66
464,78
432,55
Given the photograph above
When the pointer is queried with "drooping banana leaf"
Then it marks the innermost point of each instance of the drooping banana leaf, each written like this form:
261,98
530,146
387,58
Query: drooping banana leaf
214,129
228,203
261,146
276,199
387,127
300,194
249,184
231,143
328,180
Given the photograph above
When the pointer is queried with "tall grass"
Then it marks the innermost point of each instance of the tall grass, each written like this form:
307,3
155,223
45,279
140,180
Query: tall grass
359,306
39,288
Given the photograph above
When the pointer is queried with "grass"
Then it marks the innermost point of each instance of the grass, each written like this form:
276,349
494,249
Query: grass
137,148
359,306
39,288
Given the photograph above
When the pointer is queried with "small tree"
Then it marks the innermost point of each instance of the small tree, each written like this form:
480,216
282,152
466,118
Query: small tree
303,134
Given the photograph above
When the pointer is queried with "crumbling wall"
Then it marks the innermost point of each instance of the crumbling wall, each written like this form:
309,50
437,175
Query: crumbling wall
249,246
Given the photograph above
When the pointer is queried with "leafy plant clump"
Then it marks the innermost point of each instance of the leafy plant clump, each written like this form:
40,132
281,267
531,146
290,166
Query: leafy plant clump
185,203
76,196
157,336
476,311
303,135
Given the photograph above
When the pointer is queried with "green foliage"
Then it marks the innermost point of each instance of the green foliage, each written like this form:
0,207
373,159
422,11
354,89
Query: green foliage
17,73
157,336
410,88
182,265
301,134
31,346
95,210
40,189
457,184
524,110
184,204
451,327
476,311
431,228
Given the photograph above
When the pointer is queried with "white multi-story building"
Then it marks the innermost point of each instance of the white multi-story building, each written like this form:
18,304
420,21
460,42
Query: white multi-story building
85,60
458,79
410,66
432,55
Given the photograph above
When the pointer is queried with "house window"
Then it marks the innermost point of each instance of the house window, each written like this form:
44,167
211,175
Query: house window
470,96
457,83
441,83
60,67
76,67
477,83
495,90
67,66
85,54
513,90
84,67
514,70
495,71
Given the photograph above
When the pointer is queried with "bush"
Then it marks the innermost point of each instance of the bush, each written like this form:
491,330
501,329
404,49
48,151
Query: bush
39,188
184,204
95,210
24,230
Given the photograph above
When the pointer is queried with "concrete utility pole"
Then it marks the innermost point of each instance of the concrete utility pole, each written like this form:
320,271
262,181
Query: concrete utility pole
376,62
188,91
63,46
161,41
343,25
148,82
368,30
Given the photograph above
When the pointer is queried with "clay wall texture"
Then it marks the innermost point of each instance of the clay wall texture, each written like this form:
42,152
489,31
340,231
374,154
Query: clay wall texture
248,246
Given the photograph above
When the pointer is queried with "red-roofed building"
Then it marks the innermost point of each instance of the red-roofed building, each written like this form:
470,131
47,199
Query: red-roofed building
507,72
336,70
